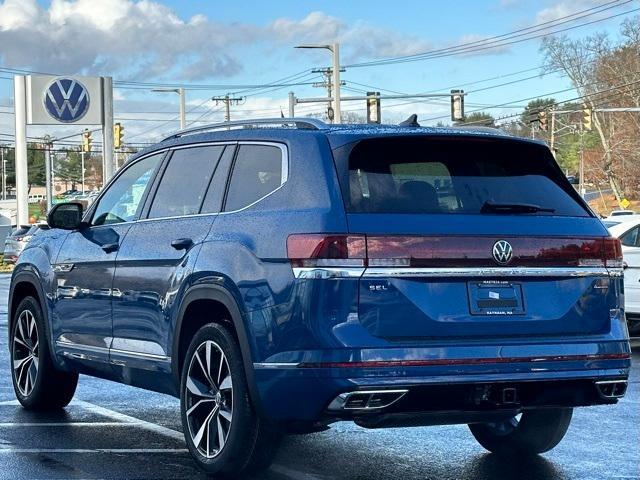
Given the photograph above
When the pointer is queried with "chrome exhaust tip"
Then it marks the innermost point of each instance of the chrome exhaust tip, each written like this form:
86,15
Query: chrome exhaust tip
366,400
611,388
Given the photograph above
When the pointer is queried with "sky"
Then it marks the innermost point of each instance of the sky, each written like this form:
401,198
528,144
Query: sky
213,48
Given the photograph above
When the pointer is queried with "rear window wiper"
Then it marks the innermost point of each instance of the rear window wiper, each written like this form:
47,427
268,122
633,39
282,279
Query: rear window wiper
488,207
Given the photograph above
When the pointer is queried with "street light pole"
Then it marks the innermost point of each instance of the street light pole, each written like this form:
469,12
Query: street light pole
183,119
335,49
335,52
4,175
82,169
181,93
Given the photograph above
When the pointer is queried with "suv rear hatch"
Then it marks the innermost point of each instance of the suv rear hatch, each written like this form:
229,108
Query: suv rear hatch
473,236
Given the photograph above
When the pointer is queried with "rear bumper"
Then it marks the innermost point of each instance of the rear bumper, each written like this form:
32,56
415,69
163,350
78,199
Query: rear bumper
302,388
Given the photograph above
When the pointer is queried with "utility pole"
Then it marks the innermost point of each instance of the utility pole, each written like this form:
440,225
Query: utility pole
227,100
328,84
552,140
292,104
47,172
581,183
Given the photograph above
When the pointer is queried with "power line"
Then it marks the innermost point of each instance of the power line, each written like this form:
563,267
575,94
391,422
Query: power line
506,38
581,97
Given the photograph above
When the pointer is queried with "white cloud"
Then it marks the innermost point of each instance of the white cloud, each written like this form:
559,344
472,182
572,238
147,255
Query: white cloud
360,40
563,8
144,39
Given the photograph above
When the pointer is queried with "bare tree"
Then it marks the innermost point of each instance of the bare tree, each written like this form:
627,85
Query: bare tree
605,75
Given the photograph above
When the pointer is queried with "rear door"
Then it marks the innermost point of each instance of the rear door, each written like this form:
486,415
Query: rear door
473,237
159,252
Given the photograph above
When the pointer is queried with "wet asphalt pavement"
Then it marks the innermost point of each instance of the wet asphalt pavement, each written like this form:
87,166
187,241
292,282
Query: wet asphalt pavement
113,431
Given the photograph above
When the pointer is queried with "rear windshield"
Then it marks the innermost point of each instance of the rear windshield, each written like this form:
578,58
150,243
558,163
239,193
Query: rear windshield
452,175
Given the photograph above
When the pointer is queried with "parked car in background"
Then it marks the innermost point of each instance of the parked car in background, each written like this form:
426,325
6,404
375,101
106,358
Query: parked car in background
621,213
18,239
616,220
629,234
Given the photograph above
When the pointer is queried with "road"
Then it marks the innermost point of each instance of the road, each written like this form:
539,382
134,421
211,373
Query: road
112,431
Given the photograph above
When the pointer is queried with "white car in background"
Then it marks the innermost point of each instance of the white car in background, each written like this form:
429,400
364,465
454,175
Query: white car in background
629,234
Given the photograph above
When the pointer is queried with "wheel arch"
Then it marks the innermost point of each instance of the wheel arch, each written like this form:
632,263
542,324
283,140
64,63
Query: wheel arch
25,283
222,297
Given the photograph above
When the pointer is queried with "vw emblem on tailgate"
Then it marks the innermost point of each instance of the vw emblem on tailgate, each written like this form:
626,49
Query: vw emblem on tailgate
66,100
502,252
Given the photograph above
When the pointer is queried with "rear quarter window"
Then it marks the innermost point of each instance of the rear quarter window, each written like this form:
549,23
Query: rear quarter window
452,175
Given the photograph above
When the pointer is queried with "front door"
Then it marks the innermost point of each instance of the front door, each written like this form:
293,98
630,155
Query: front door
84,268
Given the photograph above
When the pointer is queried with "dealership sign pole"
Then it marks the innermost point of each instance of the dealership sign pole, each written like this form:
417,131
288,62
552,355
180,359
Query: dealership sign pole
22,176
59,100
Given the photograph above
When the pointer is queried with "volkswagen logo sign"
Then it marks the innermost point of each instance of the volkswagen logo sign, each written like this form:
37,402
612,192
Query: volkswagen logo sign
66,100
502,252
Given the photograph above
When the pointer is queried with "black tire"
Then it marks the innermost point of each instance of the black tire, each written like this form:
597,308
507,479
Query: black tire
537,431
47,388
251,443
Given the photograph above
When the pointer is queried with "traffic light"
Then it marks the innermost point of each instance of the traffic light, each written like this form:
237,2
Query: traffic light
542,120
587,119
118,134
457,105
373,107
86,141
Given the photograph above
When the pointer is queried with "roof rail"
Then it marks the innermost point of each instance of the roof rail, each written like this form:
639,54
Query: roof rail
302,123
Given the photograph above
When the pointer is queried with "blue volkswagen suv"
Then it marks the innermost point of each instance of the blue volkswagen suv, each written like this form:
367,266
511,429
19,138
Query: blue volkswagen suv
281,275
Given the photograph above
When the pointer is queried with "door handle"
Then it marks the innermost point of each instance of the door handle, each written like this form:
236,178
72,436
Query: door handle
110,247
182,243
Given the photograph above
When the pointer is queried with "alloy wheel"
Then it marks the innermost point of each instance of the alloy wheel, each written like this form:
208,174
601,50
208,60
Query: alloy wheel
25,353
209,399
506,427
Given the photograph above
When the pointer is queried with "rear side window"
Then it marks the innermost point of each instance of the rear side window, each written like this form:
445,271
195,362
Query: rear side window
185,181
257,172
631,238
453,175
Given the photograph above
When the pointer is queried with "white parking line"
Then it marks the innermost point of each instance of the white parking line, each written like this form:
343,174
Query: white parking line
150,427
71,424
94,450
120,418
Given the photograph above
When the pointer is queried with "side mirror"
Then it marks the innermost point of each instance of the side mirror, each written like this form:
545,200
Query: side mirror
67,216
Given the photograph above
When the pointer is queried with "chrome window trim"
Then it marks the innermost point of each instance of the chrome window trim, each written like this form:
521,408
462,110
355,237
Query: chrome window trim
91,210
377,272
283,178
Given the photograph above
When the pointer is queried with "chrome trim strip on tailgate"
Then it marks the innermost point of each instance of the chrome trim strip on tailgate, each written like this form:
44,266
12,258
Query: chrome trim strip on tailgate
328,272
447,272
465,272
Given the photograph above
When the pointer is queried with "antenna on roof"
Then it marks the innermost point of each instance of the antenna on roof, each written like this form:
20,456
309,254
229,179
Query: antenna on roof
412,121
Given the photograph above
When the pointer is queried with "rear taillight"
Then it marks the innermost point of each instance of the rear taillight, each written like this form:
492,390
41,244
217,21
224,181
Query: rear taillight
316,250
613,253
